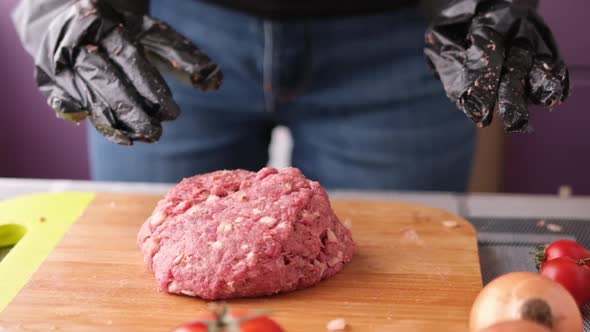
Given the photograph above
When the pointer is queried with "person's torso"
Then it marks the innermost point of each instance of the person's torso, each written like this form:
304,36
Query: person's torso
285,9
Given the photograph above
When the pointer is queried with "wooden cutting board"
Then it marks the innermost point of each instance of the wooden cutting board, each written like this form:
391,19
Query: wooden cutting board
412,273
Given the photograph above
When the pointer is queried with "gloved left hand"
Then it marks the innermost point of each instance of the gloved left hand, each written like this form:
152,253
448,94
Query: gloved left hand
496,54
96,61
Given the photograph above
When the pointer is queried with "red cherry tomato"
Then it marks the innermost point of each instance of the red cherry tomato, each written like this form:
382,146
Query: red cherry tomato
193,327
228,321
568,263
561,248
573,274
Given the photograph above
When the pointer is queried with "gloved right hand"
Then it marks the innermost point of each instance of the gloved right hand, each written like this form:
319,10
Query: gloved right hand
497,54
100,63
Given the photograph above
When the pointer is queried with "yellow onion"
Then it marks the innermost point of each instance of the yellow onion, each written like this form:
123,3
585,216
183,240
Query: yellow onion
525,296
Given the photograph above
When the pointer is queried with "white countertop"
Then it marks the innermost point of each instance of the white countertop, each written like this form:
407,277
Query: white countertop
471,205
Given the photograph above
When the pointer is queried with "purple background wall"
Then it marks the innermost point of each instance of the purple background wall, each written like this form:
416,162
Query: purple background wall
33,143
559,151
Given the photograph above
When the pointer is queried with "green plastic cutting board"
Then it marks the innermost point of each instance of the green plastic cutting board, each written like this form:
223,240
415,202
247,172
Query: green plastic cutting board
33,226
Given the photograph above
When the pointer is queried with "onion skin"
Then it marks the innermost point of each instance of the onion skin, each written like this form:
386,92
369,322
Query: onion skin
525,296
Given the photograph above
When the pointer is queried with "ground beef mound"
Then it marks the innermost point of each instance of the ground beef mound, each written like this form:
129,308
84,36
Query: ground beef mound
231,234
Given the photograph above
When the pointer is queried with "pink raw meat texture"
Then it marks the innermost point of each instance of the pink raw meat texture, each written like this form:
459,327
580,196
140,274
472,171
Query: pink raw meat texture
232,234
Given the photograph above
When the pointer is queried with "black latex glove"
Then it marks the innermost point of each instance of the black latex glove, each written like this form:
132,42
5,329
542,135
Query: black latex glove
99,63
496,54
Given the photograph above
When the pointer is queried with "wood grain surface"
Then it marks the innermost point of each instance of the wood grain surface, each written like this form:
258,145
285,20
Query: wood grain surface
412,273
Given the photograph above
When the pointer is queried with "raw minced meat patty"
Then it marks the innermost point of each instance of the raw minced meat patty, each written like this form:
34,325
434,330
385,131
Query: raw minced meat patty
230,234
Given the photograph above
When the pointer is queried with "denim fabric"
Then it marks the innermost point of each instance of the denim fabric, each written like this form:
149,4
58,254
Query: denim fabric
364,109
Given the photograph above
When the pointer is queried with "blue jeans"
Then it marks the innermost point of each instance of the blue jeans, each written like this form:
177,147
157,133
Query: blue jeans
363,108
